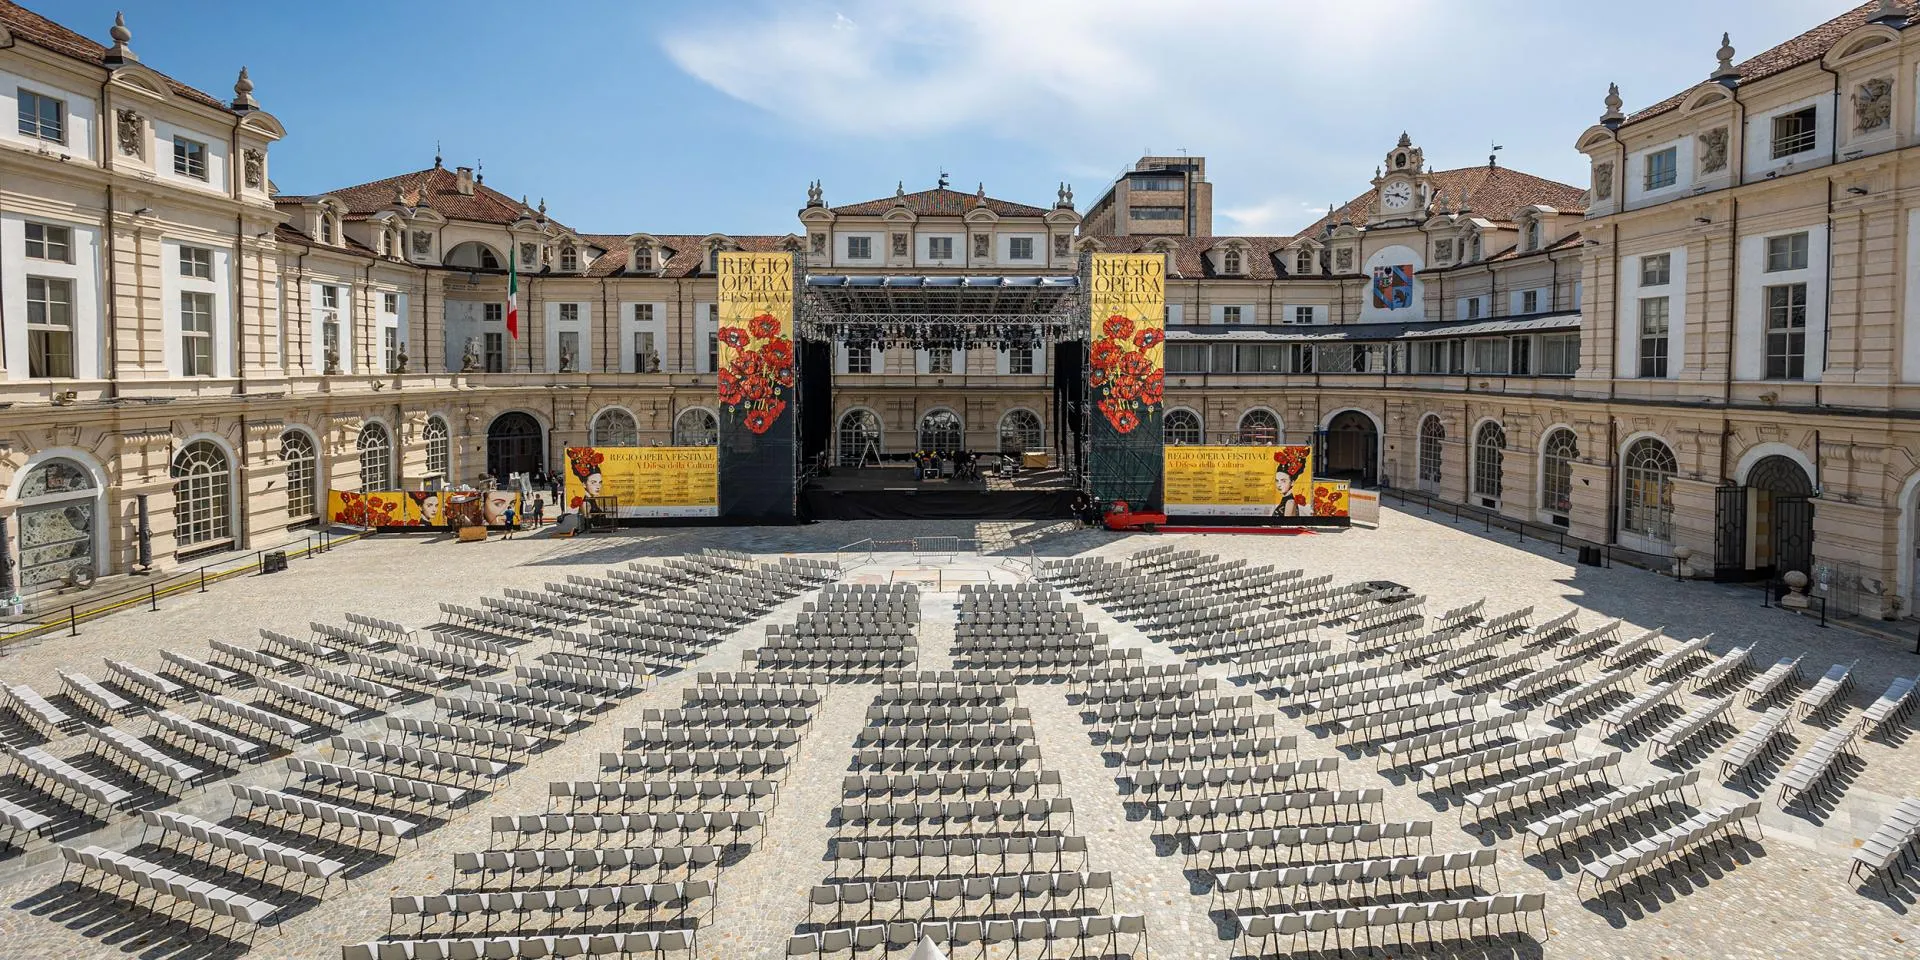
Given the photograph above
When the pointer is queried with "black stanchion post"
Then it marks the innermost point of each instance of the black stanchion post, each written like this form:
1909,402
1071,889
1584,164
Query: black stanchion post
73,620
153,598
203,579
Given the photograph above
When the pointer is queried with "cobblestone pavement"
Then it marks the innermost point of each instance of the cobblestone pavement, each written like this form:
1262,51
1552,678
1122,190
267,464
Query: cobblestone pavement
1786,895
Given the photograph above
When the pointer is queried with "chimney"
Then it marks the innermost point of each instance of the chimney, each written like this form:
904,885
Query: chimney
464,180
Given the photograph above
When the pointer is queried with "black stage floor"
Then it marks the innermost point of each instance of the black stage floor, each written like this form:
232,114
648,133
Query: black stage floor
891,493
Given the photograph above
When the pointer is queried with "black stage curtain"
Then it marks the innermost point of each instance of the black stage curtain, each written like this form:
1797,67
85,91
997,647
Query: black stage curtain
816,398
1069,403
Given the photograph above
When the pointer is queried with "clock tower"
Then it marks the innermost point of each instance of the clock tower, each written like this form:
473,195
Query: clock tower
1401,190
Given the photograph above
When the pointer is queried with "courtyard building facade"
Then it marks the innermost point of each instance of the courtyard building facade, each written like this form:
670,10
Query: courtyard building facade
1713,346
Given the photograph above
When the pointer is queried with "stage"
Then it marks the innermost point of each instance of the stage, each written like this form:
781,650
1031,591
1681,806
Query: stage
890,492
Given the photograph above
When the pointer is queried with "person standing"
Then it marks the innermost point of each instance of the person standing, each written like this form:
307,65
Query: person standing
508,517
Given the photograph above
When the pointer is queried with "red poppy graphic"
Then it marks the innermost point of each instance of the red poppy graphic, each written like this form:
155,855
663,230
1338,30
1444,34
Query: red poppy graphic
1151,391
734,337
777,353
1146,338
1125,388
764,327
1106,353
1118,327
758,421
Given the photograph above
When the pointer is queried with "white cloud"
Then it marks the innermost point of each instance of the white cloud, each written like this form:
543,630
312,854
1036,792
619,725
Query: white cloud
1295,97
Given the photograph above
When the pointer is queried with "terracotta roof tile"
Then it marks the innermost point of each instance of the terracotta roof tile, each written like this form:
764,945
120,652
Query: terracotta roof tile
440,189
1265,257
26,25
939,203
1805,48
1493,193
685,253
354,248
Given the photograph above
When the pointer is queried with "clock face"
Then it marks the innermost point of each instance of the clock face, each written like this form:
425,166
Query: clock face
1397,194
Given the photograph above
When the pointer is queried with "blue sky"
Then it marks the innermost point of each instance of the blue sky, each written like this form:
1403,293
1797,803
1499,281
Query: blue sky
695,118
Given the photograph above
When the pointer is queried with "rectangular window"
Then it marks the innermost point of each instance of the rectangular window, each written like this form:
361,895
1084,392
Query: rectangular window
390,302
496,352
189,158
644,359
1787,253
1020,361
1230,314
1490,356
1787,332
391,336
48,242
1154,213
1656,269
939,359
330,298
859,248
570,313
1156,183
569,357
1473,308
1794,132
196,334
940,248
1302,314
1020,248
713,351
49,327
493,312
196,262
1653,337
1529,301
43,117
1187,357
1299,358
1520,350
859,359
1559,354
1663,168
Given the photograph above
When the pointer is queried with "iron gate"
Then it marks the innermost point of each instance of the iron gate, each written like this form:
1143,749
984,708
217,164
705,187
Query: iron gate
1730,533
1792,535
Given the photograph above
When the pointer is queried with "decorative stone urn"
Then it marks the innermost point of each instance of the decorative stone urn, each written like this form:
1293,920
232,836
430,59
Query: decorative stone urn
1796,598
1681,568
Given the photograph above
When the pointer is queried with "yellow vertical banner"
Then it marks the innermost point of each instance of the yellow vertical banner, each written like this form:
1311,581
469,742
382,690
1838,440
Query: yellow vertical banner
1127,366
756,354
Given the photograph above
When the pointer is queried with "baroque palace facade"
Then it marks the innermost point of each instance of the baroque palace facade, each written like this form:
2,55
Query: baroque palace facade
1713,346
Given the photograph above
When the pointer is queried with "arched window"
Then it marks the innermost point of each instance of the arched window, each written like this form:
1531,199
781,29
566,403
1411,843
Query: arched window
614,427
1259,426
202,494
1020,430
1230,261
569,258
1646,474
1183,428
1303,262
1432,462
1533,235
941,432
59,502
1489,455
859,438
696,427
303,471
439,448
376,457
1556,470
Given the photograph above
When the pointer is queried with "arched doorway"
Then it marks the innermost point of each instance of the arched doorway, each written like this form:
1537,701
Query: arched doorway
1353,449
859,440
1779,517
940,432
514,445
59,502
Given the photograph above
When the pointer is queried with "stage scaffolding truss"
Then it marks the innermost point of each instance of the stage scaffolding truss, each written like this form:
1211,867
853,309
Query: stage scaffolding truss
960,312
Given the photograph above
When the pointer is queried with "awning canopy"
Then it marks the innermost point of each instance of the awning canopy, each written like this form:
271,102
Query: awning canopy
1380,332
958,310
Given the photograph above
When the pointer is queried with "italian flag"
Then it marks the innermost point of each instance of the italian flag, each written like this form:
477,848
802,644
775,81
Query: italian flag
513,300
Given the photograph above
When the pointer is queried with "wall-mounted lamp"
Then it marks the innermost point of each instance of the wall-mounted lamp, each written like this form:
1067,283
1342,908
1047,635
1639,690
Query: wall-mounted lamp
1857,191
